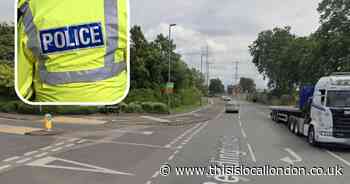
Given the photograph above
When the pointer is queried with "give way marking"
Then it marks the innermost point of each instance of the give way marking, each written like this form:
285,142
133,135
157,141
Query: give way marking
45,162
296,157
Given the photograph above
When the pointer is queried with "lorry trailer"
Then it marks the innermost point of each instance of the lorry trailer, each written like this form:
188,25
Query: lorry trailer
323,112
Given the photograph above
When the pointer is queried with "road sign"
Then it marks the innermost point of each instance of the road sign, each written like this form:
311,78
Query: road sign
169,88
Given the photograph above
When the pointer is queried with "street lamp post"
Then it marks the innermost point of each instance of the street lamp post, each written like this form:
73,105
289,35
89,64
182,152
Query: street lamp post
169,61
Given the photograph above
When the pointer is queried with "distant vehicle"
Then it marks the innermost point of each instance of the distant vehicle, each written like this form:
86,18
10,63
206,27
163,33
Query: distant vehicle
226,98
231,107
323,115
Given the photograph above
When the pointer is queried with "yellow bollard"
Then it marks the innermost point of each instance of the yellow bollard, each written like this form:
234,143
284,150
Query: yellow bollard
48,122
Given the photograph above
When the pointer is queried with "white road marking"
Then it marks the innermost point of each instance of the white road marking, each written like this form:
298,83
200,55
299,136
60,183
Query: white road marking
135,144
4,167
23,160
243,133
171,157
289,160
57,149
46,148
240,123
149,182
45,162
156,119
176,152
30,153
73,139
155,174
179,147
41,155
251,152
11,159
69,145
339,158
174,141
82,141
59,144
135,132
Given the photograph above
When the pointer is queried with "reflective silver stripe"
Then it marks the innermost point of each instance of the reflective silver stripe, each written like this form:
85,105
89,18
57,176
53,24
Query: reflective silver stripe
110,68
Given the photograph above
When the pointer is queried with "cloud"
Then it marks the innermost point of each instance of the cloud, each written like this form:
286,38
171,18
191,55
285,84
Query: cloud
7,10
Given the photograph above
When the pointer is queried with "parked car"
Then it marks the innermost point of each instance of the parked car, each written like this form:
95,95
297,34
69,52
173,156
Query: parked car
232,107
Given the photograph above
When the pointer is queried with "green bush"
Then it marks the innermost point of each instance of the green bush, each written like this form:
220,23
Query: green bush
147,106
160,108
9,106
134,108
143,95
287,100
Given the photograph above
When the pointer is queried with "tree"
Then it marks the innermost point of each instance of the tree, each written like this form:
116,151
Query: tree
216,86
247,85
149,69
7,42
334,34
6,59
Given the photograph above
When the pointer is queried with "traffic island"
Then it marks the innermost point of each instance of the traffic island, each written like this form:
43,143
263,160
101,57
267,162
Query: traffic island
45,132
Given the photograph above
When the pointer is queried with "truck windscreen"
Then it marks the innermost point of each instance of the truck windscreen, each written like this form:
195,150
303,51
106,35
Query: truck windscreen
338,99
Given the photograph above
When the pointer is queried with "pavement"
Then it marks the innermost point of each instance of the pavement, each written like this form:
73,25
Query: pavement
122,152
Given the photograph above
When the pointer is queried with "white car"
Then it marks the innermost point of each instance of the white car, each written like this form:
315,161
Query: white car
231,106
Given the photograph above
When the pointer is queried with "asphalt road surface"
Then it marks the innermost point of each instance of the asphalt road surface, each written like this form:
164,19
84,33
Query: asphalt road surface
143,154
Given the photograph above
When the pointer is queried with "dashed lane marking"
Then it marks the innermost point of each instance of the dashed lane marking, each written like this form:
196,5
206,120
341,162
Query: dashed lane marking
149,182
82,141
155,175
69,145
41,155
11,159
59,144
4,167
30,153
46,148
339,158
171,157
251,152
243,133
73,139
156,119
24,160
56,149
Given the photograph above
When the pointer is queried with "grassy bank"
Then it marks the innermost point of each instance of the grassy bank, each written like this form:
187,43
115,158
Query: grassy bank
189,108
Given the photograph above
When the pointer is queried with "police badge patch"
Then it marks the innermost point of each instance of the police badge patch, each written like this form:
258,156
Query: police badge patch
71,38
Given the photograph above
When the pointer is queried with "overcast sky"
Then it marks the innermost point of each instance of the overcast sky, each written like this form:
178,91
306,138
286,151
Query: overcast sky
226,26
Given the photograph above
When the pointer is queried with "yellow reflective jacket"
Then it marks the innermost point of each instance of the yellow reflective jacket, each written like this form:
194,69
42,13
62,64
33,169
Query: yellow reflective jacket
73,51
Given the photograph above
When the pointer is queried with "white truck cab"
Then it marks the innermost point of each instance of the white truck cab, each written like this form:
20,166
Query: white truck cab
330,111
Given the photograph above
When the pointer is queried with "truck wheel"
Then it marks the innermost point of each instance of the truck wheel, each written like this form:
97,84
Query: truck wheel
311,137
296,129
291,125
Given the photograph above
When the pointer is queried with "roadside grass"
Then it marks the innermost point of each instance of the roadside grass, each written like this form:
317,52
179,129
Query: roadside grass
189,108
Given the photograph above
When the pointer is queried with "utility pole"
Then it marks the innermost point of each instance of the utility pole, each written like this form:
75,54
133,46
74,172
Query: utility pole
236,72
201,73
169,64
207,62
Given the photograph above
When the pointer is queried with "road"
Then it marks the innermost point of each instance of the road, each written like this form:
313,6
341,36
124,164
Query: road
134,153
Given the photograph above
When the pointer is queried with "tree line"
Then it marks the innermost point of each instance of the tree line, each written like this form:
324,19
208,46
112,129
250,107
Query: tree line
290,61
149,68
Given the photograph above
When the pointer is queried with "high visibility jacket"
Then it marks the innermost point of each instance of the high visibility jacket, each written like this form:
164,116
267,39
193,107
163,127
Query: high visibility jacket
72,50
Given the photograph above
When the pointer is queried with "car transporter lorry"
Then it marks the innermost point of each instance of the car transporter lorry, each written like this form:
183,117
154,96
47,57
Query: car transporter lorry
323,115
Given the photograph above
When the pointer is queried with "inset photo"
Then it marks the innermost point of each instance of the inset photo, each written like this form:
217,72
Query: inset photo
72,52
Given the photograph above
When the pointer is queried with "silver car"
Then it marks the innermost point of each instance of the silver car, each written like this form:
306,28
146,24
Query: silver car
231,107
